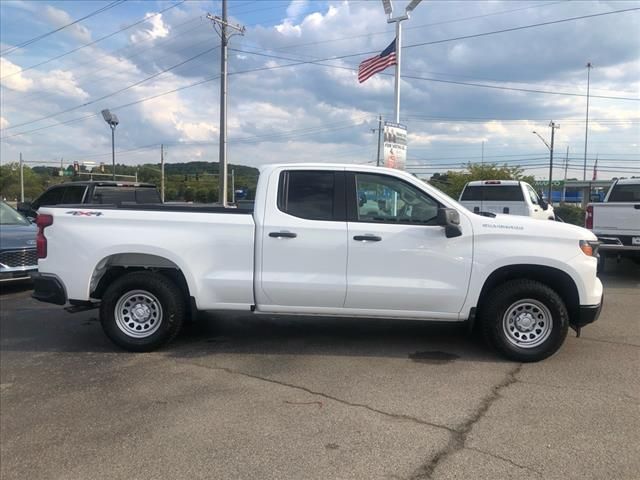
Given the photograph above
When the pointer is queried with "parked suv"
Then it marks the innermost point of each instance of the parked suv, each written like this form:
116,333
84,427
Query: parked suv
18,258
94,193
511,197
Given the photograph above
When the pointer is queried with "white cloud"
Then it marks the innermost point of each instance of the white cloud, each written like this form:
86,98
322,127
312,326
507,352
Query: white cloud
3,123
158,29
12,78
295,8
58,18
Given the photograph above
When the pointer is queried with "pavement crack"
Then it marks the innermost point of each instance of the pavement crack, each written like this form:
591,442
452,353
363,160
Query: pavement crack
459,435
505,459
396,416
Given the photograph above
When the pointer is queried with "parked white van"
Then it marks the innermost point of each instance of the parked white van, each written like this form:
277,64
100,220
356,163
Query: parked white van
511,197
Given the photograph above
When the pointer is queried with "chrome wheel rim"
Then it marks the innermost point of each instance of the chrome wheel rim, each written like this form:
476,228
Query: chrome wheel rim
138,314
527,323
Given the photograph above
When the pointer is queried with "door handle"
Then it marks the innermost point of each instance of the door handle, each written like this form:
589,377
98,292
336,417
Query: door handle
283,234
367,238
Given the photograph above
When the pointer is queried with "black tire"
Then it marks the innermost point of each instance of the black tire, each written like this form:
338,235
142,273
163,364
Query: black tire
156,296
514,307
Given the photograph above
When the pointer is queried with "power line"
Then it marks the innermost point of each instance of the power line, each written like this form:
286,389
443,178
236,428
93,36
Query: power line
45,35
316,62
93,42
173,67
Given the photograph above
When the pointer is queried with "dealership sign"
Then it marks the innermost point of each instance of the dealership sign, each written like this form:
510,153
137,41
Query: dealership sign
395,145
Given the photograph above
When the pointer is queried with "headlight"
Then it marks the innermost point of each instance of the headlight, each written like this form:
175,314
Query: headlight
589,247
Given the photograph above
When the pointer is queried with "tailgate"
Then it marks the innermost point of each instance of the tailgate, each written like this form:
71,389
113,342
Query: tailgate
619,218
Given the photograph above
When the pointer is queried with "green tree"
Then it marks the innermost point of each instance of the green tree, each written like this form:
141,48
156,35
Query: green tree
453,182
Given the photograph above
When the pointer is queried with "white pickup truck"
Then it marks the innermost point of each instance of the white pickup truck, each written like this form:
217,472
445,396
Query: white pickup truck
330,240
512,197
616,221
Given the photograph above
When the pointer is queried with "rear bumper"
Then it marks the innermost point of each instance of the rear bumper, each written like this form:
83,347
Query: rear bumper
49,289
587,314
17,273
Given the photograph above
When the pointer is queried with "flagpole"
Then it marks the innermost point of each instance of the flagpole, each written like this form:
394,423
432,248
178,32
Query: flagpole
398,63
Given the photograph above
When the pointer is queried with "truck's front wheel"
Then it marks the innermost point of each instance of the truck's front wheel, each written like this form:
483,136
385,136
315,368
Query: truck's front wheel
141,311
525,320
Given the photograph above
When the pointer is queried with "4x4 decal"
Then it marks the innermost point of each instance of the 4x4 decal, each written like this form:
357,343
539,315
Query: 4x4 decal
82,213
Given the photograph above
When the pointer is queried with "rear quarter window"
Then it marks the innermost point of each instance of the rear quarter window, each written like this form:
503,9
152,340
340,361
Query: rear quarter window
493,193
625,193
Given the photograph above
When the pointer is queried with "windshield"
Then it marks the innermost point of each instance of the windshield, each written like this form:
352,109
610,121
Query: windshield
493,193
8,216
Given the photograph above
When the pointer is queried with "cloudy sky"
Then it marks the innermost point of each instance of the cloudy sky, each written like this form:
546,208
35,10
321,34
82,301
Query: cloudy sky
293,89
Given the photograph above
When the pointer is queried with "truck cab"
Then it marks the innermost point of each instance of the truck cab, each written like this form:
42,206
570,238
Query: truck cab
510,197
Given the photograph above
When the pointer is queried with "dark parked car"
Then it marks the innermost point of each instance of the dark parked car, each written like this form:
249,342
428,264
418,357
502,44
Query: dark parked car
92,193
18,257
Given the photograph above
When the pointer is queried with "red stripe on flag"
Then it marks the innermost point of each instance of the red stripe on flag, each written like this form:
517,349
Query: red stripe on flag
373,65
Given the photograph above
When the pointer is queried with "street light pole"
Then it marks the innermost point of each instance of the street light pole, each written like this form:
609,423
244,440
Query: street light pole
21,179
388,9
112,121
553,126
586,123
113,149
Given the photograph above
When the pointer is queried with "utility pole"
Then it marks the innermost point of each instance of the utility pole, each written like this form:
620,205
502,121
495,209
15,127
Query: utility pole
233,186
379,130
553,131
483,153
162,172
21,178
224,25
564,184
586,124
388,9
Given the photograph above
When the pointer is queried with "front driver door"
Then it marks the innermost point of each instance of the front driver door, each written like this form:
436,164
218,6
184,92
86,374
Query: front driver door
399,260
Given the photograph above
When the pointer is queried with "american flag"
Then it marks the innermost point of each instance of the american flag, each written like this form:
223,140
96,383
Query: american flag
373,65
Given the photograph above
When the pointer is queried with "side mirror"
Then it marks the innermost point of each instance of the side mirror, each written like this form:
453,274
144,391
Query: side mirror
543,204
449,218
24,207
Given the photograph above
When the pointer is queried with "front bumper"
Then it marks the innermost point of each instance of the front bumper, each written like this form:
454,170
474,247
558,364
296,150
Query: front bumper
14,274
48,288
587,314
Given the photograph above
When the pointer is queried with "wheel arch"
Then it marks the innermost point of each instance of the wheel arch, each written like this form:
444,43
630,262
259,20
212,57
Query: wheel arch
112,267
561,282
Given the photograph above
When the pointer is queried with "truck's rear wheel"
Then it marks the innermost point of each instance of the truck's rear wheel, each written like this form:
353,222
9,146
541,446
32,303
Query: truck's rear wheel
525,320
141,311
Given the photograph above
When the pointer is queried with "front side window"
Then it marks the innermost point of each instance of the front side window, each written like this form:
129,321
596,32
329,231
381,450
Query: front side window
50,197
533,195
307,194
384,199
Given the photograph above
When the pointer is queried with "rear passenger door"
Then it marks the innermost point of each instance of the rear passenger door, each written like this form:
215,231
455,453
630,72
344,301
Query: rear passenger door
303,251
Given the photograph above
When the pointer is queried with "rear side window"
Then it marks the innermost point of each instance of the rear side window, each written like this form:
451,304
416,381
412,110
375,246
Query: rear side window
73,194
307,194
493,193
113,195
625,193
147,195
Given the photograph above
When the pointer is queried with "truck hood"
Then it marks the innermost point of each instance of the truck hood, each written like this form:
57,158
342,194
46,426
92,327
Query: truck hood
15,237
530,227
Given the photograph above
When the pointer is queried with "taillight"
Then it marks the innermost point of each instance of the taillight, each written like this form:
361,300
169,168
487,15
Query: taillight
588,218
42,221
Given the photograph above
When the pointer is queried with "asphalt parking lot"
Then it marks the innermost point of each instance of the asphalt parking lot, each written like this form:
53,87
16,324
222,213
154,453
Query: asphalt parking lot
250,397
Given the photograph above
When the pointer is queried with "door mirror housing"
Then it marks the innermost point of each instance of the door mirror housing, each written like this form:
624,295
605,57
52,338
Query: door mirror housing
543,204
449,218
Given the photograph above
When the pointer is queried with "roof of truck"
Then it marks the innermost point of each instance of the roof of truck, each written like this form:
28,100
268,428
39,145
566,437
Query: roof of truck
628,181
492,183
